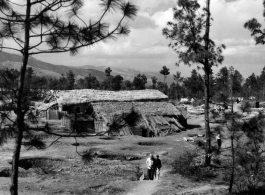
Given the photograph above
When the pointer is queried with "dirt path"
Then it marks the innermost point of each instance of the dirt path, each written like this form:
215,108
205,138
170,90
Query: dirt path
147,187
203,189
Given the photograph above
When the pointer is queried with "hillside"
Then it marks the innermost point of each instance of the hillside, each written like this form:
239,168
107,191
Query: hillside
8,60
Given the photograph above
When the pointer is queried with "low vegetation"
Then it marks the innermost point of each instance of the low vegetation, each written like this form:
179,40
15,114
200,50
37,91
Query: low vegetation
117,156
191,164
150,143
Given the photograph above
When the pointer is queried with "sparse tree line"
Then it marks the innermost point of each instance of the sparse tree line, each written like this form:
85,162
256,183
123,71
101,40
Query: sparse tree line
191,87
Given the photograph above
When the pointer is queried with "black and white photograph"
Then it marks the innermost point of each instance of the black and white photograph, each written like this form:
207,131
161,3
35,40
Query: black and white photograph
132,97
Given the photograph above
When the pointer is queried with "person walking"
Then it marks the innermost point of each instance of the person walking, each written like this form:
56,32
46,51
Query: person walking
150,167
158,166
219,141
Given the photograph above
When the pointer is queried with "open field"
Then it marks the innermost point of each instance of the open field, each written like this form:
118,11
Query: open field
117,165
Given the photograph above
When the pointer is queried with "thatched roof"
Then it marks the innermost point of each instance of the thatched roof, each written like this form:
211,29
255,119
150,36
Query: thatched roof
145,108
71,97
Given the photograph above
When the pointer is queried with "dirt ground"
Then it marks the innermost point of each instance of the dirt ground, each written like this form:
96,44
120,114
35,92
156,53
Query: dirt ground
116,168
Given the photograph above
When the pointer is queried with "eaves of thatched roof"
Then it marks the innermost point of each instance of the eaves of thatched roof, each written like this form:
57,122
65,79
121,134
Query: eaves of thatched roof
72,97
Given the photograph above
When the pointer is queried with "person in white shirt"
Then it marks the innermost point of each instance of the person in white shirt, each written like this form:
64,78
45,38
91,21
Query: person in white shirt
219,141
150,167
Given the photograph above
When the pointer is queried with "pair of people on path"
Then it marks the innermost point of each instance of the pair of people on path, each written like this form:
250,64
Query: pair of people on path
153,167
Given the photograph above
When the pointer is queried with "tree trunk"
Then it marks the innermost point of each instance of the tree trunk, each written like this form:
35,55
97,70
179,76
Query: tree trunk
233,166
207,70
232,137
19,111
207,121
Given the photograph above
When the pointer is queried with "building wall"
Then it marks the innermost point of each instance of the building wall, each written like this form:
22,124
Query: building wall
53,114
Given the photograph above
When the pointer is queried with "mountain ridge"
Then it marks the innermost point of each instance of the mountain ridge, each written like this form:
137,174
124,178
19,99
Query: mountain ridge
9,60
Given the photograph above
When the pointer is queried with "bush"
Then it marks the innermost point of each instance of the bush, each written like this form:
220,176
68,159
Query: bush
200,143
246,106
150,143
138,172
117,156
190,164
184,164
87,156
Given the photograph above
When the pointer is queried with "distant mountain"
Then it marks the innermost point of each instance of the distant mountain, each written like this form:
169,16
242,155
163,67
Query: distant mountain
8,60
129,74
41,68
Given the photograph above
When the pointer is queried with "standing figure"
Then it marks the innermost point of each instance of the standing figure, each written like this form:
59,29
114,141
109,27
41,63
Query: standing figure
150,167
158,166
219,141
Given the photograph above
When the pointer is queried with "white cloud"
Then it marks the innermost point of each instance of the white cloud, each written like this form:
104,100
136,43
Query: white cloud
161,18
146,48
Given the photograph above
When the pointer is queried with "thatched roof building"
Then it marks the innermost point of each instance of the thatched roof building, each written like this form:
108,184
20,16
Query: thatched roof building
157,115
84,96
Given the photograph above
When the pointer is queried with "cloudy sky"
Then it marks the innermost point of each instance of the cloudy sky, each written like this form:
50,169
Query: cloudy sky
146,49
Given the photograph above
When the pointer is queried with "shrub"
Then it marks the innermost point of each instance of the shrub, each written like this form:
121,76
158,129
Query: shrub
184,164
190,164
200,143
117,156
246,106
108,138
150,143
87,155
138,172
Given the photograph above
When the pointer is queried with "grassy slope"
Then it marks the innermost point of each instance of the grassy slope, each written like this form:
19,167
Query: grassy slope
8,60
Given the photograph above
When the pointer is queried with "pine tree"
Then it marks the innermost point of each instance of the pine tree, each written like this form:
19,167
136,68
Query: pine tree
191,41
70,80
39,20
164,71
154,82
107,74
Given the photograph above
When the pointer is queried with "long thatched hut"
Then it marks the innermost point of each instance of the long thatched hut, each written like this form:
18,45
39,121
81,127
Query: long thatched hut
79,100
158,117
